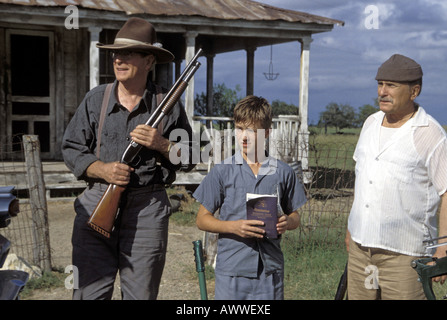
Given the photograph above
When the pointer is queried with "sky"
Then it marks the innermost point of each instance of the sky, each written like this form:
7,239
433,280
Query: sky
344,61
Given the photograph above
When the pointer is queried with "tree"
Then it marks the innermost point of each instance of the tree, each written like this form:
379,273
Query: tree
338,116
224,101
280,107
364,112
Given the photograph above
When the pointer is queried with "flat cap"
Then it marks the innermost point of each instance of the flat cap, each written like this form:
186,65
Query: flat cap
400,69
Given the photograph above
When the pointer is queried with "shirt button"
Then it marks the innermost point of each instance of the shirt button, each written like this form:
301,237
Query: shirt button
367,206
370,182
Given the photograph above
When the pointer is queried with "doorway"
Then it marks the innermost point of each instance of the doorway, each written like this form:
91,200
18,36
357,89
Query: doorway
30,98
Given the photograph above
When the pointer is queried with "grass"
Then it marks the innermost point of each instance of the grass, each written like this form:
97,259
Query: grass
186,215
313,266
48,280
314,261
315,255
332,150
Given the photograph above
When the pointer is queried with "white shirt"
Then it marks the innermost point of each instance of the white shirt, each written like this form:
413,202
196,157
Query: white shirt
398,186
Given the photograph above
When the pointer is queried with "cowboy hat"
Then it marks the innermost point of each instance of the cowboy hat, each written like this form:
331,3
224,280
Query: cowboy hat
139,35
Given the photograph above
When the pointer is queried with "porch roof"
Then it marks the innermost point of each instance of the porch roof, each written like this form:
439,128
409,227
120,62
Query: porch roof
216,9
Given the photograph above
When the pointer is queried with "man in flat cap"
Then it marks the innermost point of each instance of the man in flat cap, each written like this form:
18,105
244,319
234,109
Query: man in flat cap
401,181
93,144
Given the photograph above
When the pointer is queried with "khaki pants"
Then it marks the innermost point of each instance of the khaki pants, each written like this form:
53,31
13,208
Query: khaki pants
381,274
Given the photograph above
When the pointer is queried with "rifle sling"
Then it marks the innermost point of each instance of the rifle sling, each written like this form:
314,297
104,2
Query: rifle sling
105,102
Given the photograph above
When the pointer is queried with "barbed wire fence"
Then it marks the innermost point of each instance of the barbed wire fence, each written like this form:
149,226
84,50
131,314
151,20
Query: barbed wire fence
330,191
325,165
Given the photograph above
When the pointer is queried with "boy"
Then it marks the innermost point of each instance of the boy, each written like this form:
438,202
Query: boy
249,264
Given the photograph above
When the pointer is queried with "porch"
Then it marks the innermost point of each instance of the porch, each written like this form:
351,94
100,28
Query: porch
216,136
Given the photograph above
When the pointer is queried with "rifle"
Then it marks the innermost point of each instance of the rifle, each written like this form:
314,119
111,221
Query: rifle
103,217
200,268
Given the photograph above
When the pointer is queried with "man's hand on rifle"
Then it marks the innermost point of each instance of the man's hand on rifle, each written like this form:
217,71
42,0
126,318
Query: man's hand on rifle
113,172
151,139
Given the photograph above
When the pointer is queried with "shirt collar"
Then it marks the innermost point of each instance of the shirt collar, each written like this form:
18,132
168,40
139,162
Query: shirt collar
268,166
147,95
420,118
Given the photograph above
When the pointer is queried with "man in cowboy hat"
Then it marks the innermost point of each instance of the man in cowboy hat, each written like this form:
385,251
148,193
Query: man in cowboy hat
401,181
92,149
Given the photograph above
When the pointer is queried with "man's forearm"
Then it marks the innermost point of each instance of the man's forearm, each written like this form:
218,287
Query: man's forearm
95,170
112,172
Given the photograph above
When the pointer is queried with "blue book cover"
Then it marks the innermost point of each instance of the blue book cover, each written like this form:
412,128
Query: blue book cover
264,207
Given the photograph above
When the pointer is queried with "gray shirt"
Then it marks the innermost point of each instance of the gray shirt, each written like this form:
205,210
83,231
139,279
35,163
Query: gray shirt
225,188
80,139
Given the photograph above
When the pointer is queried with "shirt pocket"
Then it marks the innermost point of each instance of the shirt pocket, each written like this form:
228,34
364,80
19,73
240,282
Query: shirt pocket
402,171
110,146
234,203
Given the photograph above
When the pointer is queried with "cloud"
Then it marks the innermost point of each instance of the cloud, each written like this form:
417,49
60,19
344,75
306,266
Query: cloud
344,62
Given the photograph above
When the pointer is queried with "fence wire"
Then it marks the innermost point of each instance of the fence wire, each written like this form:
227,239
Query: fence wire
330,190
328,179
21,232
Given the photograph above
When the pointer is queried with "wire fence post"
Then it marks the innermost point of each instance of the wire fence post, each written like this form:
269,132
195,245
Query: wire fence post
38,202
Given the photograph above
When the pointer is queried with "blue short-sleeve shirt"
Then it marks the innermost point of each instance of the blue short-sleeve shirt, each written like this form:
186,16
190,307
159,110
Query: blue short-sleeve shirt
225,188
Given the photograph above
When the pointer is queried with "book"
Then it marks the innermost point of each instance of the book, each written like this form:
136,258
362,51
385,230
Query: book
264,207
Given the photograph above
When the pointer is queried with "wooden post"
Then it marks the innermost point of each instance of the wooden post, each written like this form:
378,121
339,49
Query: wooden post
303,102
38,203
94,56
250,69
190,38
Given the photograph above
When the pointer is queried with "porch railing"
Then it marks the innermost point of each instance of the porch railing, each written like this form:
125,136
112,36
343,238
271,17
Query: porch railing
285,142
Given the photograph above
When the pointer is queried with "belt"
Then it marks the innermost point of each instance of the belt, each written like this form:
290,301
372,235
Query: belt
148,188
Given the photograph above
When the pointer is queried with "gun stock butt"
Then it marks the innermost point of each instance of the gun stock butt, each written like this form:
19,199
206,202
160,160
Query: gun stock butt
103,217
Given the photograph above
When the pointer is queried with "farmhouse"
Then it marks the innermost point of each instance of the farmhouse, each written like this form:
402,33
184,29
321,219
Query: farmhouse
49,59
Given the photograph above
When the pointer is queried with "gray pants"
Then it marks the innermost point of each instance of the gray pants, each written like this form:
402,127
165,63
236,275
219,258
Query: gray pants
263,287
136,248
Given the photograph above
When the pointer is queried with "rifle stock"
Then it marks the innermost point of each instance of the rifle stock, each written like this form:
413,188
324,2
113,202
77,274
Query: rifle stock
104,215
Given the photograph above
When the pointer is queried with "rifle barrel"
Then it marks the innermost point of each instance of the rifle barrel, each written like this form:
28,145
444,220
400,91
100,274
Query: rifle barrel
165,106
104,214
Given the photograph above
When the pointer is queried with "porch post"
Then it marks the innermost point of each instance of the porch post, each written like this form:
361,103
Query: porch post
94,56
209,83
303,137
190,38
250,69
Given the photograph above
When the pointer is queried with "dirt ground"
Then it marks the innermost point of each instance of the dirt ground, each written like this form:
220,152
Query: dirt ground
179,281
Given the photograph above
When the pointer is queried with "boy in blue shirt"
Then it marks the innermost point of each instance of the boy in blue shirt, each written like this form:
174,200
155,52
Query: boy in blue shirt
249,265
